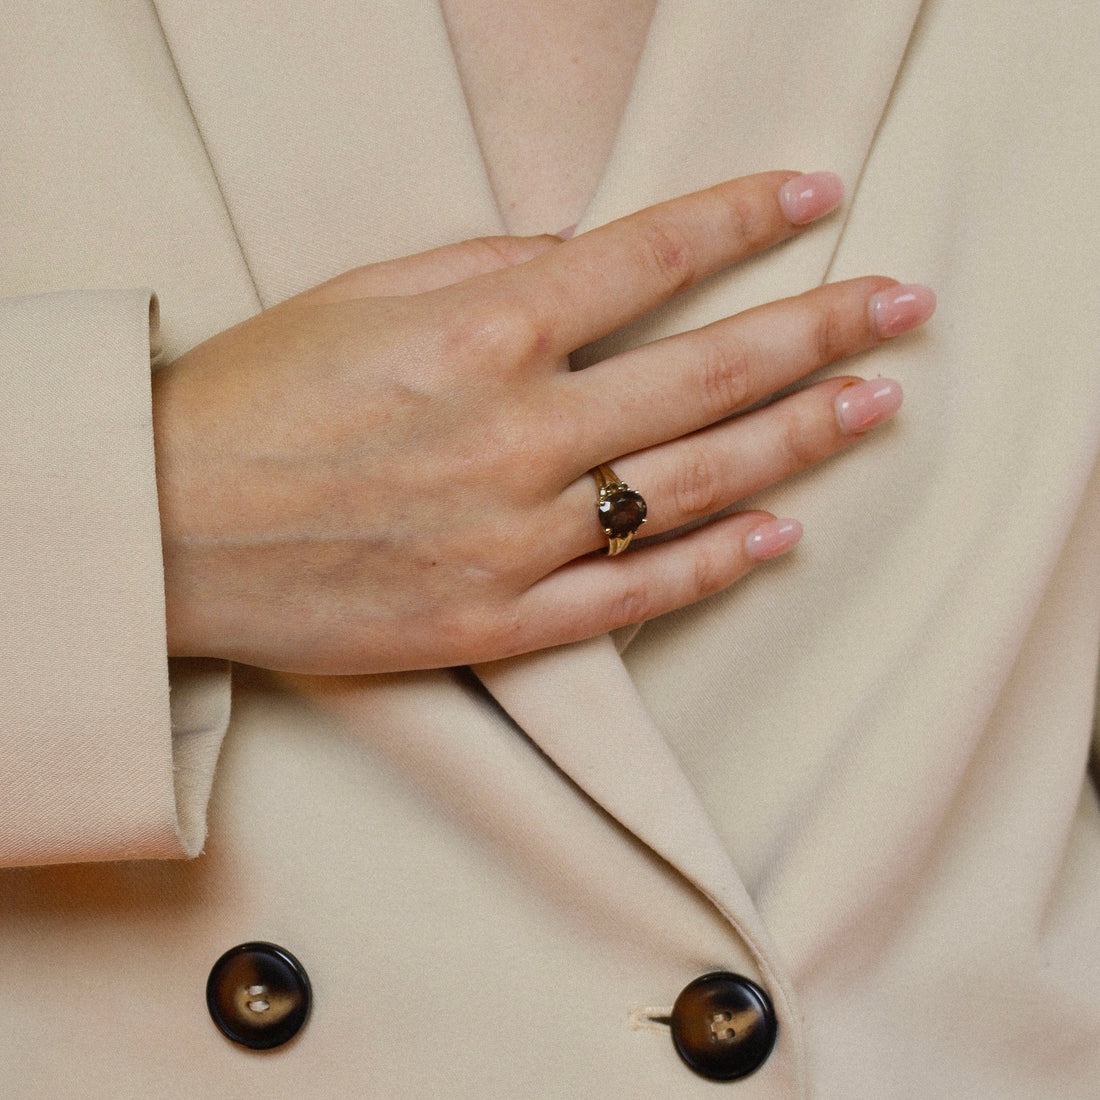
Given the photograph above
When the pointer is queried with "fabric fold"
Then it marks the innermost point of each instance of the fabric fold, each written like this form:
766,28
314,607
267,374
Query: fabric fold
580,705
88,765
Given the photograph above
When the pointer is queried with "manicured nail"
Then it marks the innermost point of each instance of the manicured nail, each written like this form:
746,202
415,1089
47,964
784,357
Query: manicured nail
567,232
773,538
901,308
808,197
862,405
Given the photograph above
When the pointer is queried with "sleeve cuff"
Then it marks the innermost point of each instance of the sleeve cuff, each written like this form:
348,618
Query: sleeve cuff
97,763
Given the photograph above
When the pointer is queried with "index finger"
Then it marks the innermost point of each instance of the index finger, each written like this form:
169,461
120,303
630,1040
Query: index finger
598,282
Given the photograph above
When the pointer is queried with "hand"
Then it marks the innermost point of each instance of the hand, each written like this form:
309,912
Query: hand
391,471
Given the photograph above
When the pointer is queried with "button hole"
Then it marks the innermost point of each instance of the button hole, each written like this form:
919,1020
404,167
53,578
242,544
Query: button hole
720,1029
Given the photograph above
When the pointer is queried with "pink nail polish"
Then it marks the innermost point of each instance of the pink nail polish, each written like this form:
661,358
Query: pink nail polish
773,538
808,197
862,405
901,308
567,232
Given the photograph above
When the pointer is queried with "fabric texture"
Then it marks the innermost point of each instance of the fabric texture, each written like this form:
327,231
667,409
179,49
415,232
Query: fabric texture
860,777
88,749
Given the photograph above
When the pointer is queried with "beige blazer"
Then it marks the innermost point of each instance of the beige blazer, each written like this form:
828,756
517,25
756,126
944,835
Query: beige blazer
858,778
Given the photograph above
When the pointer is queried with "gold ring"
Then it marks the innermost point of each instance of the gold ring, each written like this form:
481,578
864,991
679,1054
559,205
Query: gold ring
620,509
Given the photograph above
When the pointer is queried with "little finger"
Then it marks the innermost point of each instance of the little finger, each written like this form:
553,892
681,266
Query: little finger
595,594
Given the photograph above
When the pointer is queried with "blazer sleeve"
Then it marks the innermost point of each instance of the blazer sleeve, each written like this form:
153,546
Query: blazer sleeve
98,759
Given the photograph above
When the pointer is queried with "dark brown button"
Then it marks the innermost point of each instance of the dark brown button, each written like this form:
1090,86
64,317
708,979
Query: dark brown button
258,994
723,1026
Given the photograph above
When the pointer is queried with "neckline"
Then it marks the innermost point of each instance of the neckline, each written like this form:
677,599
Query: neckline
538,186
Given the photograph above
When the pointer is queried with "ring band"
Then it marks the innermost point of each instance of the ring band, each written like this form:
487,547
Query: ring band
620,509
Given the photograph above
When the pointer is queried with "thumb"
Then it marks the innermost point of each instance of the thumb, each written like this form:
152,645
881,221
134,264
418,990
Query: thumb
424,271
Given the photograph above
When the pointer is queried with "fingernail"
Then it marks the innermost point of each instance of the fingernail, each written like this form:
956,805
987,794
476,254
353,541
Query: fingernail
567,232
773,538
862,405
901,308
808,197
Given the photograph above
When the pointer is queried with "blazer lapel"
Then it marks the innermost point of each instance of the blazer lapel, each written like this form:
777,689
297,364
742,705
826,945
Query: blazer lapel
337,130
579,704
729,87
371,93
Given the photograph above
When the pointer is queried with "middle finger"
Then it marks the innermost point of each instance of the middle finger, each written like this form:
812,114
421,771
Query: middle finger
678,385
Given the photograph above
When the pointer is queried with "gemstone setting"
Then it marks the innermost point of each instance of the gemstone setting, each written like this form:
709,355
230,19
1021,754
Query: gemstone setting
621,510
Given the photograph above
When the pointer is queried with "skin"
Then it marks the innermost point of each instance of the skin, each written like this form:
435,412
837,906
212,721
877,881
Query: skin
390,471
546,82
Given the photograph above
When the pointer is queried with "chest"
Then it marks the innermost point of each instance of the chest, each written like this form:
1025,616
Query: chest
545,83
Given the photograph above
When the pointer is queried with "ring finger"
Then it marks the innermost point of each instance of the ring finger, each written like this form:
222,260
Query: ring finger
700,475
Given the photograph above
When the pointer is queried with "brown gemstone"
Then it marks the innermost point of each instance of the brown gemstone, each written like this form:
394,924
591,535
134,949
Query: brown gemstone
622,512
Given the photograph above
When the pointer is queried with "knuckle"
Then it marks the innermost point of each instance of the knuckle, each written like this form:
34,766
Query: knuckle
829,335
800,440
632,604
505,333
500,251
696,489
709,574
667,253
526,333
472,329
507,635
725,378
748,221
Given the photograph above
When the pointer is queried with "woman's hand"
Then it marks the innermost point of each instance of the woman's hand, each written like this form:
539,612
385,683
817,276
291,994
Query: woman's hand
391,471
